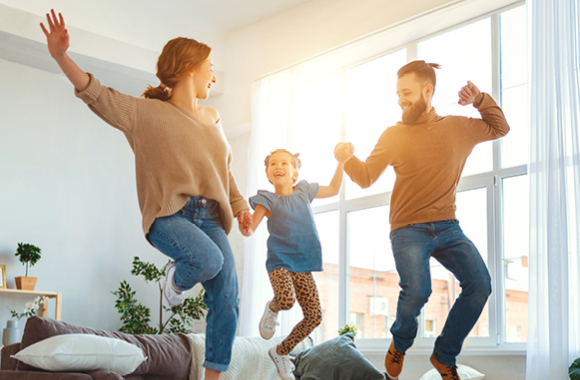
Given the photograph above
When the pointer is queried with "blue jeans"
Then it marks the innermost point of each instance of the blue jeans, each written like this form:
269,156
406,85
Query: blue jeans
195,239
413,245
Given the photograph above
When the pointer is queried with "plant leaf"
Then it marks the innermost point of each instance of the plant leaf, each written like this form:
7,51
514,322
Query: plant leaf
574,370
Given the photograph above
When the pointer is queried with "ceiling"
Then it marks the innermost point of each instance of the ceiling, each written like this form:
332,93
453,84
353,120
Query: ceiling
151,23
119,40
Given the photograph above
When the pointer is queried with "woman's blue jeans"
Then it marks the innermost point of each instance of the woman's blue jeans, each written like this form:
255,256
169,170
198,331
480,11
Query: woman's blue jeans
413,245
195,239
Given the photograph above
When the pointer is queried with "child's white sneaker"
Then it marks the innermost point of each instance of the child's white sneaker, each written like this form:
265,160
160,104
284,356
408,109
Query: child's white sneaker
283,364
171,295
268,322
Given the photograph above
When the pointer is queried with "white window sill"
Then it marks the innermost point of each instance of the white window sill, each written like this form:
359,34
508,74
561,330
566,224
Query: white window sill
380,347
464,352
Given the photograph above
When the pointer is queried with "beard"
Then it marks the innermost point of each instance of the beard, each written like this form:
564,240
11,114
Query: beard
417,109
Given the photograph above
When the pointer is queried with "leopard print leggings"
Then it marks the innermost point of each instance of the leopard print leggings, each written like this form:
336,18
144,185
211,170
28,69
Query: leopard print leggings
288,287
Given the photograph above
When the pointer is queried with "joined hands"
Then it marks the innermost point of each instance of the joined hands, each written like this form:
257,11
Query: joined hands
343,152
245,223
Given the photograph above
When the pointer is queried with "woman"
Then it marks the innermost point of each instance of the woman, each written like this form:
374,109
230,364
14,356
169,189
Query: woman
187,194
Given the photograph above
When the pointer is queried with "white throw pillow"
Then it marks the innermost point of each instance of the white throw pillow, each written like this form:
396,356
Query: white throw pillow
82,352
464,372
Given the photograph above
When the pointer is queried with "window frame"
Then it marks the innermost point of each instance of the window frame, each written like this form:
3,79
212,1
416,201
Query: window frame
492,181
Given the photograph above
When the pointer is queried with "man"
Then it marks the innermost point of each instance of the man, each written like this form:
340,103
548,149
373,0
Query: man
428,153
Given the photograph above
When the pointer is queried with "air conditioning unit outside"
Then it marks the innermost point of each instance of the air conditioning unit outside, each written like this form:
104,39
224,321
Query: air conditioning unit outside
378,306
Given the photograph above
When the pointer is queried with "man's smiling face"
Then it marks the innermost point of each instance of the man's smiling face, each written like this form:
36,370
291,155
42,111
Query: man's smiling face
413,97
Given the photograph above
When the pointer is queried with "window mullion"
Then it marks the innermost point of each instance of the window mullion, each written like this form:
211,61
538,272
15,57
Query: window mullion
343,262
499,291
497,302
496,79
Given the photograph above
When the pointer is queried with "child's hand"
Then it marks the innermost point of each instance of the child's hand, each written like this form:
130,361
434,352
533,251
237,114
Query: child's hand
247,232
343,152
245,223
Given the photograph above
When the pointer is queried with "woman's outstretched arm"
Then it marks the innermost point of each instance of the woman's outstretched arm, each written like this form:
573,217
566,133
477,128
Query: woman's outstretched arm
57,40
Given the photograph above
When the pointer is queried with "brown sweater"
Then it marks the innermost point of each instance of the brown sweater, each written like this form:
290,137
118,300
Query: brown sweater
428,158
176,155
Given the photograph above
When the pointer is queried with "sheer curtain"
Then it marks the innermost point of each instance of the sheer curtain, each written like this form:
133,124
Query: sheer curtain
554,295
275,125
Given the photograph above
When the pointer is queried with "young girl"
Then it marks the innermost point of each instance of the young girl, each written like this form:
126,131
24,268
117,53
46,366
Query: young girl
187,194
293,250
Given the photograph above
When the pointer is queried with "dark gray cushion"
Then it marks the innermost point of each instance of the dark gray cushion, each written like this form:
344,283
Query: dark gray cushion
7,363
337,359
41,375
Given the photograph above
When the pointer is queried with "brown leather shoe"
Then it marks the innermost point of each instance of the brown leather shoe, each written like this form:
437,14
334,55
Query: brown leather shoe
394,362
447,372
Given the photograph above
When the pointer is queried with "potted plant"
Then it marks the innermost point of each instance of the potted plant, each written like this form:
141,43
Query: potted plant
348,328
28,254
136,317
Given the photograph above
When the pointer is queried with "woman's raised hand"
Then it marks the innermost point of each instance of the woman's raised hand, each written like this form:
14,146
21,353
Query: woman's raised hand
58,42
57,38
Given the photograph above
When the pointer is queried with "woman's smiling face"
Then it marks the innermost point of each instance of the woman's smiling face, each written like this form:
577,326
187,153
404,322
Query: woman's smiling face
203,78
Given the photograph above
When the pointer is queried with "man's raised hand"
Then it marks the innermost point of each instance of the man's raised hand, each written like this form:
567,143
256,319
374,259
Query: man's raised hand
468,94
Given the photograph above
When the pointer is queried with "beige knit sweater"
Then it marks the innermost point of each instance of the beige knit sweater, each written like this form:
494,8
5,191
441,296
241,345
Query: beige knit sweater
176,155
428,158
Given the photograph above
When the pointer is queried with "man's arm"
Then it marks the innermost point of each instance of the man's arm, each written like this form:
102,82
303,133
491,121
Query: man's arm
494,122
365,173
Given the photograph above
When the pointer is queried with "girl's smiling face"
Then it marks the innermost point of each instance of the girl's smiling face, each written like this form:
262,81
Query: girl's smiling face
281,170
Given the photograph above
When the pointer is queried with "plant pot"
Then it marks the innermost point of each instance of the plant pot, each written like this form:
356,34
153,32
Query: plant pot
25,283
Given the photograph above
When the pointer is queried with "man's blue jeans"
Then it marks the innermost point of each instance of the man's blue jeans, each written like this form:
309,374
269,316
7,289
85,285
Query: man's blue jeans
195,239
413,245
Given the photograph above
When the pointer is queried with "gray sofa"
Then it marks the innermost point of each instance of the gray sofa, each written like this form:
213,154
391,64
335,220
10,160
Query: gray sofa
168,356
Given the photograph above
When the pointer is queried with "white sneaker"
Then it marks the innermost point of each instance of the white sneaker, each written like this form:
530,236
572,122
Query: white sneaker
283,364
171,295
268,322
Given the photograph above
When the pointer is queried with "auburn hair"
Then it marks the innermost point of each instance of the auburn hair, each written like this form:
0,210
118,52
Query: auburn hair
424,71
179,57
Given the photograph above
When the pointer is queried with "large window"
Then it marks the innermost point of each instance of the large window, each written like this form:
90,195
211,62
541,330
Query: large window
359,284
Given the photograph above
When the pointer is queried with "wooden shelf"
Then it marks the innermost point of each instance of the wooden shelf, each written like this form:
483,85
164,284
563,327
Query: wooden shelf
43,310
29,292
